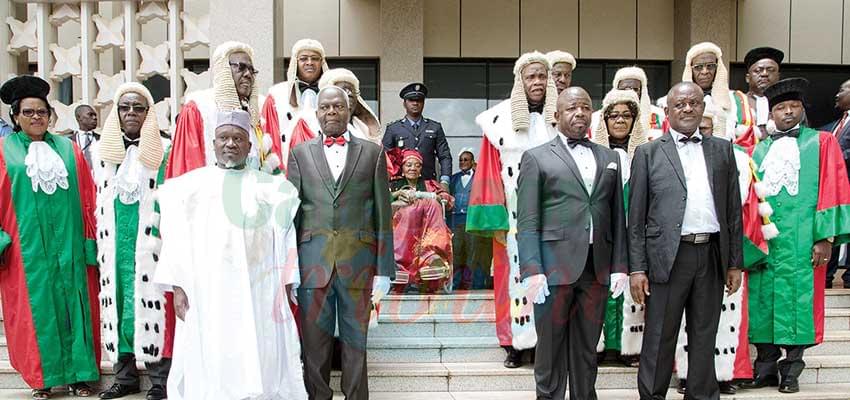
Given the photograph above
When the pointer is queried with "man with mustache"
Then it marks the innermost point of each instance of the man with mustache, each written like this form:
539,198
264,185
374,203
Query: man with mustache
750,109
289,110
345,245
572,246
510,128
804,179
229,253
128,169
685,242
234,87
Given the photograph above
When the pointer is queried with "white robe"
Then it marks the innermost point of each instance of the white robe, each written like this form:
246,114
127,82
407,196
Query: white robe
229,241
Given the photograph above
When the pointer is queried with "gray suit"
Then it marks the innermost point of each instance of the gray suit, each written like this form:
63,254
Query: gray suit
682,276
555,214
344,239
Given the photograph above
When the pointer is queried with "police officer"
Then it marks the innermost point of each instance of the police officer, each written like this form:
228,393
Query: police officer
422,134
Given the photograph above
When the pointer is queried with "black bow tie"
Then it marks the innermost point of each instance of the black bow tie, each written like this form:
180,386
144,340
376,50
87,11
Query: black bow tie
467,172
130,142
538,108
691,139
581,141
794,133
302,86
622,146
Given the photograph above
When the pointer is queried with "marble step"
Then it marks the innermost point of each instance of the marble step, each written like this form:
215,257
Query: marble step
837,319
835,342
837,298
434,325
467,303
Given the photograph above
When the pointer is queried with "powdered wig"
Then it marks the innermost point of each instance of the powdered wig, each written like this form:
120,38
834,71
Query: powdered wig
111,138
617,96
645,102
226,97
720,87
520,116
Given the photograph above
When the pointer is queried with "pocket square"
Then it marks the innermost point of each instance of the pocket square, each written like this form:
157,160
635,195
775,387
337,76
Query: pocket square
612,165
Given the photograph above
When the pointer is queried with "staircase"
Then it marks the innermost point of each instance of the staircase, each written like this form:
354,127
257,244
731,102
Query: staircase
445,347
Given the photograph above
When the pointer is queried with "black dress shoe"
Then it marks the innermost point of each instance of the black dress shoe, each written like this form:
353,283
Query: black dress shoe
682,387
118,391
727,387
157,392
789,386
514,358
760,382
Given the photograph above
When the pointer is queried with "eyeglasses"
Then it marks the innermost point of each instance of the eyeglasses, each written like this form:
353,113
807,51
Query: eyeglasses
704,67
41,112
242,68
625,115
137,108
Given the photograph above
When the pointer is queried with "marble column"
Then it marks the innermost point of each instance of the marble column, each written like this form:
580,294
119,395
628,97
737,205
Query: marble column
402,41
248,22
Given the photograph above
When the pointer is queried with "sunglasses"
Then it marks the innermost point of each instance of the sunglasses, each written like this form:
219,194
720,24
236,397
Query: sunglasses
41,112
242,67
137,108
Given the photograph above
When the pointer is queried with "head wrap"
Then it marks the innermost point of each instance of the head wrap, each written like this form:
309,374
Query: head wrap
786,89
337,75
558,56
410,153
226,97
297,48
111,137
645,102
519,102
614,97
24,86
760,53
720,87
237,118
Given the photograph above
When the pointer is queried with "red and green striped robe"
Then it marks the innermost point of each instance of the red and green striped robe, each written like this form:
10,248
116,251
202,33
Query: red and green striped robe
786,295
49,279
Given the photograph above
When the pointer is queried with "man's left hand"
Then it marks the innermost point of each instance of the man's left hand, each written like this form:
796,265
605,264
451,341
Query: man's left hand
380,288
821,252
733,281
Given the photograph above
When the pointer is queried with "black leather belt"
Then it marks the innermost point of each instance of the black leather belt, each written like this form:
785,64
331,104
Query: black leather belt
697,238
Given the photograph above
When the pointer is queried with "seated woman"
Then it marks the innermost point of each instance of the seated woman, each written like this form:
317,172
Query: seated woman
422,240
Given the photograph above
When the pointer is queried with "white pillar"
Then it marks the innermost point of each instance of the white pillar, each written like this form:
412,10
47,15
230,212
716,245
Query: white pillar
175,35
8,63
88,59
131,36
46,36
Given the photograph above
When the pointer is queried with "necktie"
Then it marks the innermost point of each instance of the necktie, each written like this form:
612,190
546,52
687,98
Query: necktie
840,126
692,139
302,86
575,142
416,126
794,133
538,108
330,141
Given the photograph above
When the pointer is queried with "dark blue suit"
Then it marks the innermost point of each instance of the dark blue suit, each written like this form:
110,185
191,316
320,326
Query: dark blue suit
472,254
843,142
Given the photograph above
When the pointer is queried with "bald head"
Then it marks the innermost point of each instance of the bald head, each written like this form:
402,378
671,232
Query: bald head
333,112
573,112
86,117
685,106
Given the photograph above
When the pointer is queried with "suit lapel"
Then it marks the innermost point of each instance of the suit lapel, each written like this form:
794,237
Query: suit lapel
321,163
560,150
350,163
668,146
845,130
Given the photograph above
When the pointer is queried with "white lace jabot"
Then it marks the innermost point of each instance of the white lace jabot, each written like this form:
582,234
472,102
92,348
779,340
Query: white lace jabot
45,168
781,167
128,178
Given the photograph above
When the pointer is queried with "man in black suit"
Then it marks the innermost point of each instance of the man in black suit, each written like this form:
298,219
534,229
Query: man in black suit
572,245
685,241
841,131
421,134
345,242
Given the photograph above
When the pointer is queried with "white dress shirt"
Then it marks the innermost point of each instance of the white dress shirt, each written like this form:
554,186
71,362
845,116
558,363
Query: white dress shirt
700,214
464,179
586,162
336,156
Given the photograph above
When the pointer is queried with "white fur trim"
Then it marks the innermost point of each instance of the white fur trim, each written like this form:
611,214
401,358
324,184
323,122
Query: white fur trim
267,143
761,189
633,326
765,210
726,341
273,161
770,231
149,303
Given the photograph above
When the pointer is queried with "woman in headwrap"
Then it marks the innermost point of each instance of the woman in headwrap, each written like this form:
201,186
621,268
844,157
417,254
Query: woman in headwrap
421,239
622,131
48,275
